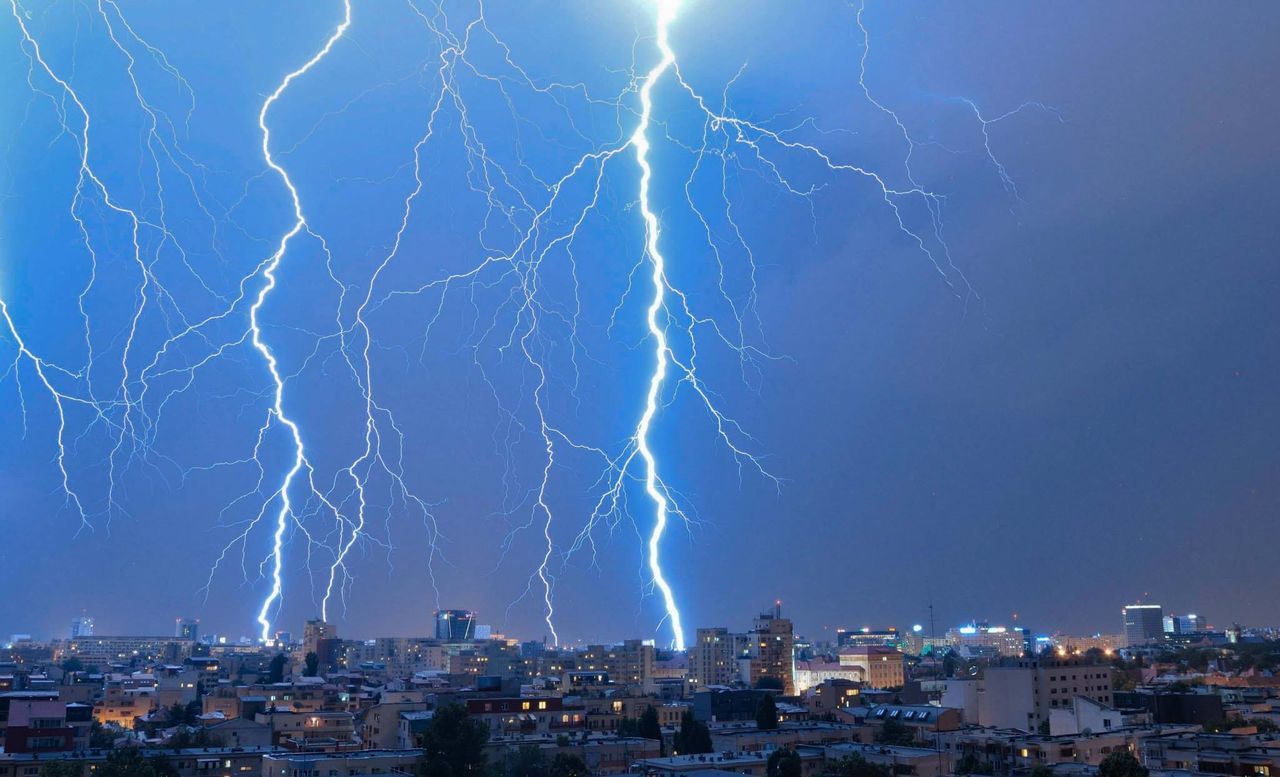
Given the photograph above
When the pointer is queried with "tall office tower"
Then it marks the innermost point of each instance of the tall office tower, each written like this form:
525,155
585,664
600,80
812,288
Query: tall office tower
82,626
1143,624
455,625
187,628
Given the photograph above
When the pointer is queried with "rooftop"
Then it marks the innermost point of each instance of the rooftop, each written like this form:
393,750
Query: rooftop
361,755
737,760
898,751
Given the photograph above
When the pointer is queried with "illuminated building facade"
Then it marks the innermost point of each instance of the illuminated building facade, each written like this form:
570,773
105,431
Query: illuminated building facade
1143,624
713,658
455,625
881,667
976,639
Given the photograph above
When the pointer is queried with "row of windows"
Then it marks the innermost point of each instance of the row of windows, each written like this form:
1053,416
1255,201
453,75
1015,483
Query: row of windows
332,772
45,743
524,705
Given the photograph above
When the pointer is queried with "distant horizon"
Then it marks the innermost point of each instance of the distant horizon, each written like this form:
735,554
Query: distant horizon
906,628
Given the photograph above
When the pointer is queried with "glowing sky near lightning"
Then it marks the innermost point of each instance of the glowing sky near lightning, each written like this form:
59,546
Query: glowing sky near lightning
1118,370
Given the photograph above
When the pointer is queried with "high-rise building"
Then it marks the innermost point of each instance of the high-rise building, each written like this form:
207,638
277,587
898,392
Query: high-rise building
82,627
314,632
881,666
102,651
975,639
1143,624
869,638
187,628
1185,624
771,651
628,663
455,625
766,652
1022,693
711,659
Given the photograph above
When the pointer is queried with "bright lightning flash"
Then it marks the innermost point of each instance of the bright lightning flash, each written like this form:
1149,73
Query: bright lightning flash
654,488
522,318
284,514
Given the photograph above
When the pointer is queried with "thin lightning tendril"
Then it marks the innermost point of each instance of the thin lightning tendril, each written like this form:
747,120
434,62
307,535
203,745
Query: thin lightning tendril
522,329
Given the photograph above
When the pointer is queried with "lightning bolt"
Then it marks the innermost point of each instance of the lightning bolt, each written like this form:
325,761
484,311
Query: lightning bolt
285,512
122,425
755,137
652,485
522,331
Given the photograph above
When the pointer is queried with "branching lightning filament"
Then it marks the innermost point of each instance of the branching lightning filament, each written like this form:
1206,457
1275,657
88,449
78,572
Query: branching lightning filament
574,248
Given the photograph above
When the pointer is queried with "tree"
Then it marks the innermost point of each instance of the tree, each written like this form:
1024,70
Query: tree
766,713
855,766
525,761
645,727
1041,770
649,728
1264,725
130,762
275,670
1121,763
784,762
970,764
313,665
73,664
63,769
1044,728
453,743
694,737
894,732
185,738
568,765
101,738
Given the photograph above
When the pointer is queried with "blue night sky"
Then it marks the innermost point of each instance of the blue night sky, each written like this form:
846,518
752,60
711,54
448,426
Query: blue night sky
1067,405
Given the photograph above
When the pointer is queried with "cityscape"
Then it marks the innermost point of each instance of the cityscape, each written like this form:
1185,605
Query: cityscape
639,388
1168,693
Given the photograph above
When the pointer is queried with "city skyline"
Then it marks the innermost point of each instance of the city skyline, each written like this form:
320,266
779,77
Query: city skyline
1166,621
755,698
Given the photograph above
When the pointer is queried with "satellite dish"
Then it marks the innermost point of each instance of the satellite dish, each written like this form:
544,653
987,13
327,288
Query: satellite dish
973,670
